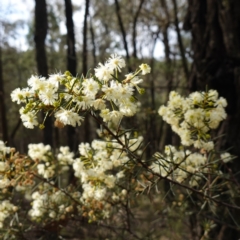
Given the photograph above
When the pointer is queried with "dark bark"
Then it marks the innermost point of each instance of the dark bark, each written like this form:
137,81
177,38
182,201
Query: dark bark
124,35
71,52
152,136
85,27
166,131
134,40
179,38
40,34
71,63
165,28
215,31
215,28
93,44
15,129
166,48
86,124
3,119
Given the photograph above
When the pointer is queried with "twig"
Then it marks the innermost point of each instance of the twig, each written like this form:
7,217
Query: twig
161,177
62,190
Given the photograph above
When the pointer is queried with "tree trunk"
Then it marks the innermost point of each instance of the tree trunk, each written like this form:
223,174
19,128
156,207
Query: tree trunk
179,38
41,58
3,120
134,34
71,52
71,64
86,124
215,28
85,27
93,44
124,35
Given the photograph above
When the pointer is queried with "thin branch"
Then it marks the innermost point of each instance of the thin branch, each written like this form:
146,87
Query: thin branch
60,189
144,165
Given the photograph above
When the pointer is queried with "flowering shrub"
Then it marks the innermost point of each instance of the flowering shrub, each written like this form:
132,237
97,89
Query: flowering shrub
104,174
67,97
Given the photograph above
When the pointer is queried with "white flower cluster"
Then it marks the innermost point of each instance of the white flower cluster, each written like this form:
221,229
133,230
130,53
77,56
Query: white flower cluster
6,210
180,165
48,165
39,151
226,157
4,149
4,181
4,166
193,117
66,96
100,168
51,204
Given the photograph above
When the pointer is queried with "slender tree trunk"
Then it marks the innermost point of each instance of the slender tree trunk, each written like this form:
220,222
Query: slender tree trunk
165,28
86,124
40,36
71,64
215,28
3,119
71,52
134,35
93,44
151,135
85,27
166,131
179,38
41,58
124,35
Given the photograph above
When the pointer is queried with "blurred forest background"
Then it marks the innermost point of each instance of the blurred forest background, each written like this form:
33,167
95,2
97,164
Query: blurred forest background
141,31
189,44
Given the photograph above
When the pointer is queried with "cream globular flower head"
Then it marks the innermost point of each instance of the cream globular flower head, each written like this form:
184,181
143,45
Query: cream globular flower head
226,157
116,62
103,73
16,95
56,78
6,209
29,119
39,151
90,87
145,68
4,149
68,117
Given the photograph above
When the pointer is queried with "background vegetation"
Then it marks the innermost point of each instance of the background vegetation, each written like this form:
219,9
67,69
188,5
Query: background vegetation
200,47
